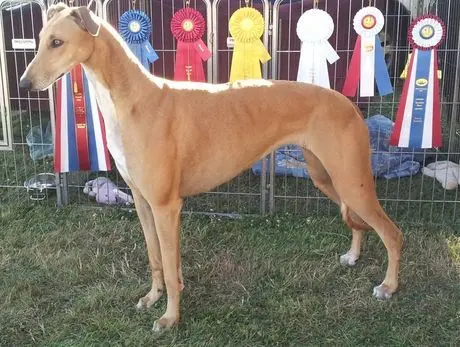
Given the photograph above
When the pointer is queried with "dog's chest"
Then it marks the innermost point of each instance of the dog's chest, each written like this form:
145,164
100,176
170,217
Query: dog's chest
112,127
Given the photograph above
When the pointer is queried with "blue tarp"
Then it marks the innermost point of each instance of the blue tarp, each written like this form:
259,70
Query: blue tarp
387,161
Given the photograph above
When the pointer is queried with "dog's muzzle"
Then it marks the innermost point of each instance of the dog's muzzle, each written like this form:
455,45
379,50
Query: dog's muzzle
25,83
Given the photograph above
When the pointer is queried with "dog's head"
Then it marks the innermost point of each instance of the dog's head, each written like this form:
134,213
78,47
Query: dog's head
67,39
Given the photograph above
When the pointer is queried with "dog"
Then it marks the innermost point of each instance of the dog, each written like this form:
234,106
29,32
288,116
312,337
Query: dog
166,138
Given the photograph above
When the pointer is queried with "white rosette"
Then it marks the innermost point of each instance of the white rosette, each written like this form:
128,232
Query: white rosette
314,28
427,33
368,22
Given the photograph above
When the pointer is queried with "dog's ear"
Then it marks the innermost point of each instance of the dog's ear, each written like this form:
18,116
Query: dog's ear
54,9
83,18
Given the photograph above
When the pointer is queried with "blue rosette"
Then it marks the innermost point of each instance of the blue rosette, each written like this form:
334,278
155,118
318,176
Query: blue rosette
135,28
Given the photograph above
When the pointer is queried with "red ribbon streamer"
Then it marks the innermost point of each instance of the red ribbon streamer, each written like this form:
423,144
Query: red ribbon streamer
394,139
57,145
104,137
437,132
80,118
189,61
350,86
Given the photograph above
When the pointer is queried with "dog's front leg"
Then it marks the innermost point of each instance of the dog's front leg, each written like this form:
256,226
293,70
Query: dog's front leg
167,220
145,215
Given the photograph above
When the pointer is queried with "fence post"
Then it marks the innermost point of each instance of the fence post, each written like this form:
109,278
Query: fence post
456,99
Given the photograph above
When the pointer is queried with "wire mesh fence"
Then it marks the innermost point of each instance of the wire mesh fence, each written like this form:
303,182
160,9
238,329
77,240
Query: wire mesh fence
278,183
24,113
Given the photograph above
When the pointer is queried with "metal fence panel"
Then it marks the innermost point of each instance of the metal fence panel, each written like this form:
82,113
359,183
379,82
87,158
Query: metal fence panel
30,113
412,198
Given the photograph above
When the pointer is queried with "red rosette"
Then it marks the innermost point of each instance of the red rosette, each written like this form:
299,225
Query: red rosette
430,22
188,25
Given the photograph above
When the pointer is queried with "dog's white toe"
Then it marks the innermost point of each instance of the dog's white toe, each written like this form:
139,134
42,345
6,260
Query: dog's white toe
140,304
348,259
382,292
164,323
156,327
152,297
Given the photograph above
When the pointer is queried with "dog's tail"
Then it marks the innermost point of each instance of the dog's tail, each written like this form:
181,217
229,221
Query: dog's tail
352,219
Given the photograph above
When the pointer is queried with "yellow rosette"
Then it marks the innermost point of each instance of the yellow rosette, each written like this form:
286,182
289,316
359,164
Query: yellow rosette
246,27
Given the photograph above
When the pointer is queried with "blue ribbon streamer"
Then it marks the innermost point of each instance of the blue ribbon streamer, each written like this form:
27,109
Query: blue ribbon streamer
138,41
382,78
74,163
422,71
92,146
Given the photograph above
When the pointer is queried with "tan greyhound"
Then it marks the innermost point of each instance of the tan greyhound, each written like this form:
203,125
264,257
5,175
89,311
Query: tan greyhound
168,137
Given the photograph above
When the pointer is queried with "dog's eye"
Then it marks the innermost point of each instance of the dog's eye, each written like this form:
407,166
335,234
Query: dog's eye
56,43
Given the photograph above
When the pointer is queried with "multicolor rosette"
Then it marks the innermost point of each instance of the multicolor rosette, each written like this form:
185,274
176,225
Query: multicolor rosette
314,29
368,60
135,27
188,26
246,27
418,120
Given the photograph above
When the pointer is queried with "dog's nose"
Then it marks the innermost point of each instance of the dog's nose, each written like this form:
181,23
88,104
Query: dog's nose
25,83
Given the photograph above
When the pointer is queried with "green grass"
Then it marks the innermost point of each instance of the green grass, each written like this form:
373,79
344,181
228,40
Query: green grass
71,277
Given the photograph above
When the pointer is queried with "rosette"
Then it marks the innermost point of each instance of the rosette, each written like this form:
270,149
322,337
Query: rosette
427,32
135,28
314,29
246,27
368,57
188,26
418,119
368,21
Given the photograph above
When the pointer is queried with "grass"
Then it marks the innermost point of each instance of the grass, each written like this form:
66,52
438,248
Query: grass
71,277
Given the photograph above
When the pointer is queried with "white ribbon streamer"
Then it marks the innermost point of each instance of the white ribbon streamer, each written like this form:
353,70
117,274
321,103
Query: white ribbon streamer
367,67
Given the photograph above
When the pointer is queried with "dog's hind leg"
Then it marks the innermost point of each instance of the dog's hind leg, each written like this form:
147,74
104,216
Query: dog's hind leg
354,252
369,209
323,182
347,161
153,249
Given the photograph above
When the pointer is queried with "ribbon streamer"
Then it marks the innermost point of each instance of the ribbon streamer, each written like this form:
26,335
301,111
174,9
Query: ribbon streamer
135,27
368,61
406,67
188,26
246,26
314,28
80,143
418,119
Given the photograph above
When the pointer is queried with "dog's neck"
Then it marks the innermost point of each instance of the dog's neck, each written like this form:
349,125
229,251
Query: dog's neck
117,68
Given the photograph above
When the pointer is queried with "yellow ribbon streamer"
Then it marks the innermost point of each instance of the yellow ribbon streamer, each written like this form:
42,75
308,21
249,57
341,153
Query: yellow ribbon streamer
247,26
404,73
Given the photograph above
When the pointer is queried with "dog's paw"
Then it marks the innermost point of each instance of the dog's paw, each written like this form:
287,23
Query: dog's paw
152,297
382,292
348,259
164,323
